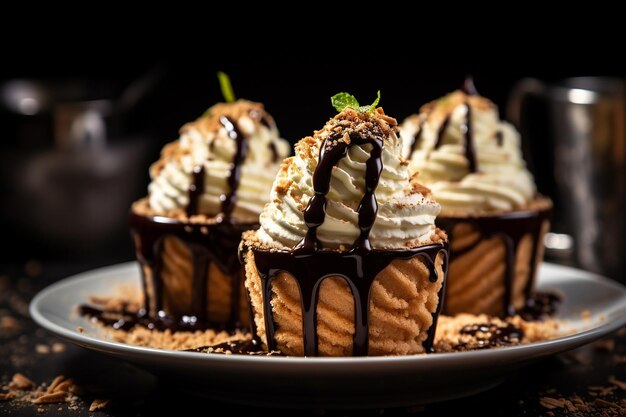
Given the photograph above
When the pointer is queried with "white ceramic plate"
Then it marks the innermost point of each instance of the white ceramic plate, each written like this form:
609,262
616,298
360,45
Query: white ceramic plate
337,382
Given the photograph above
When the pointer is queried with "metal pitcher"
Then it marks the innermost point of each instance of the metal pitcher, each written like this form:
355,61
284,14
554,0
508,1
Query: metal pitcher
587,148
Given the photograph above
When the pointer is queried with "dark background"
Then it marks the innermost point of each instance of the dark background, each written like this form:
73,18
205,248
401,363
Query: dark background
294,83
63,211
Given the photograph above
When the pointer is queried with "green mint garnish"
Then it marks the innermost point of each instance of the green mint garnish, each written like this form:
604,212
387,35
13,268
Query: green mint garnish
225,85
342,100
371,107
227,90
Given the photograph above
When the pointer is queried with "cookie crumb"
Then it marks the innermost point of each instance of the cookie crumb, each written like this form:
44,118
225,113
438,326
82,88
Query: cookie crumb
20,382
99,404
600,403
617,383
55,397
58,347
551,403
42,349
6,396
8,323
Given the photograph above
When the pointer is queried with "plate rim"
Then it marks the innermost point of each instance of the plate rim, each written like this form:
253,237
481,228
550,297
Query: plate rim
542,348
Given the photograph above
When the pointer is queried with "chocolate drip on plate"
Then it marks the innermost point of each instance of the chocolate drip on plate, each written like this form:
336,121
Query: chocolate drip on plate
491,335
236,347
126,320
540,305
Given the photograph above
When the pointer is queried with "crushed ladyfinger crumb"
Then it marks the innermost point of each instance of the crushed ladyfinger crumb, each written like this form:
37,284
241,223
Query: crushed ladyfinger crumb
617,383
8,323
58,347
60,390
6,396
55,397
42,349
20,382
99,404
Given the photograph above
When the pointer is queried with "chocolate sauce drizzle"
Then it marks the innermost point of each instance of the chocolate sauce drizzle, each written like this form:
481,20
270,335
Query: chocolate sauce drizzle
310,264
467,128
499,138
206,243
196,189
511,228
228,200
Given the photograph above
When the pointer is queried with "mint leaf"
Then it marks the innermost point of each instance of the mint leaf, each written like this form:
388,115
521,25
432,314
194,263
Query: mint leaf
371,107
342,100
227,88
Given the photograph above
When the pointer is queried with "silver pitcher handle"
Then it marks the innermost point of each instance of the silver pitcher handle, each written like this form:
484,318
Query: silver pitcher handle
521,90
558,247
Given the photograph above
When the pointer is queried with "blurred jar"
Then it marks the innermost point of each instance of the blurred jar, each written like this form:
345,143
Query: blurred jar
68,170
586,157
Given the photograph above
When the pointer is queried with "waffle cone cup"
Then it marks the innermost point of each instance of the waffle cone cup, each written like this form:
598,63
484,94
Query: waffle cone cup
477,274
403,307
175,280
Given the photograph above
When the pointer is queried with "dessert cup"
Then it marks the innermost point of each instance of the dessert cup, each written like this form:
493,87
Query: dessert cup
348,260
494,218
189,267
319,305
494,258
207,188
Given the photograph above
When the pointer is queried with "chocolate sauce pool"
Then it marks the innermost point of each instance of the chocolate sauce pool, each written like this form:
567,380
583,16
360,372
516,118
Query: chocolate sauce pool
490,336
310,264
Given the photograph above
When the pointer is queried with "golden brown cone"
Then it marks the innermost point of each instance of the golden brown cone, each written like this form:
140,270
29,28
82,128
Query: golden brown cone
176,275
403,301
476,278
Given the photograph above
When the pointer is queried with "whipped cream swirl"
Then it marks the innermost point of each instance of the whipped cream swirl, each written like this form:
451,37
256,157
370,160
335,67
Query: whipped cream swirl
207,143
490,175
406,213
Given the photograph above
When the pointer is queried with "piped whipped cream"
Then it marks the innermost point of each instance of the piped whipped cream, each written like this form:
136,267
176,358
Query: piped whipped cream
207,143
467,156
406,213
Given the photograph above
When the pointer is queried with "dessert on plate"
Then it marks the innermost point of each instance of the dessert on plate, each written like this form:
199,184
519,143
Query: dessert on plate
490,209
206,189
348,260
